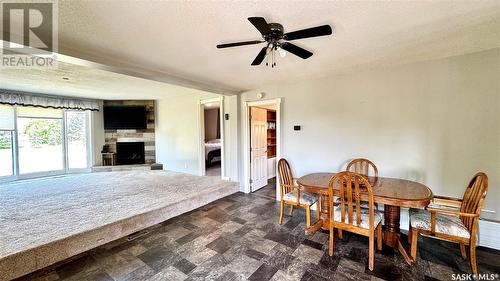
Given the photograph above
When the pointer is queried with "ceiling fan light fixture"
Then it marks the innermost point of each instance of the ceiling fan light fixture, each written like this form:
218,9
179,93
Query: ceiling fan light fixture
282,52
277,40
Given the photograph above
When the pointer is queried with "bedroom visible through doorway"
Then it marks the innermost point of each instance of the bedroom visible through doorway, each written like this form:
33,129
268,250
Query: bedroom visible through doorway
212,138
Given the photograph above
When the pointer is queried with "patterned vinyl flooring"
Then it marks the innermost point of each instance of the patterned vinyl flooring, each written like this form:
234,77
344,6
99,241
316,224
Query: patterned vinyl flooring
239,238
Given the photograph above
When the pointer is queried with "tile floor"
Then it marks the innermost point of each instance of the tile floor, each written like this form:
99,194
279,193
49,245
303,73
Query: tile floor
269,191
239,238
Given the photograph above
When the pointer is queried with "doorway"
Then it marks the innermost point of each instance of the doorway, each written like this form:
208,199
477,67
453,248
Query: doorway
212,148
263,146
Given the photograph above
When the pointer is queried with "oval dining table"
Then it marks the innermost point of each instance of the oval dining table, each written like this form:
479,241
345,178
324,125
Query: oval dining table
393,193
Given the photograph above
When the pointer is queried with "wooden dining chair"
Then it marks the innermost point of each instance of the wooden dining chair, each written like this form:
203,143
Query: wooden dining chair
353,188
363,166
292,195
453,219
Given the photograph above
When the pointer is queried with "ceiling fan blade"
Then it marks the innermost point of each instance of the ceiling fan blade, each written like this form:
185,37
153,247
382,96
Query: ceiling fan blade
260,57
228,45
296,50
308,32
261,24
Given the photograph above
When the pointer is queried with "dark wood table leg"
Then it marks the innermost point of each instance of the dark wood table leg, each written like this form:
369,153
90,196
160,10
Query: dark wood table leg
391,225
323,217
325,212
392,234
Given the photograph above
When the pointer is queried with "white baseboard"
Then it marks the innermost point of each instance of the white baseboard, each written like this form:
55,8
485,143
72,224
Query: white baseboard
488,234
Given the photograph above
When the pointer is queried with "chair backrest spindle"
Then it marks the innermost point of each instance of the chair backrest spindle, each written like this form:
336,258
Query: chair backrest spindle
285,176
362,166
352,189
473,199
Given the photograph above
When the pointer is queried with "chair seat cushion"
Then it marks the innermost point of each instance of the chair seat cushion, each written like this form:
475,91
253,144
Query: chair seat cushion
364,217
363,204
446,224
306,198
434,205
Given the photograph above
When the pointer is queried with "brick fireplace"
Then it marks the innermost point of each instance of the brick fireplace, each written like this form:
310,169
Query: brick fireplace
139,140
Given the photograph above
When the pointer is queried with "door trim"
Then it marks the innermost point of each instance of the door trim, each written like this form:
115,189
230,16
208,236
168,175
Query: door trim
246,140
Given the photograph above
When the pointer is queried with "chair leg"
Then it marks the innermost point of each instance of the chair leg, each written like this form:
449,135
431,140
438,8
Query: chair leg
473,263
371,250
339,233
409,235
379,237
282,207
318,209
414,240
291,210
462,251
330,242
308,216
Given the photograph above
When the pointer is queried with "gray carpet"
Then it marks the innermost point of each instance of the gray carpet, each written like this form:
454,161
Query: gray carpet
37,212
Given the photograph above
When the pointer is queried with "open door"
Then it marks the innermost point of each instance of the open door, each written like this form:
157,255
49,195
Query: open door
258,148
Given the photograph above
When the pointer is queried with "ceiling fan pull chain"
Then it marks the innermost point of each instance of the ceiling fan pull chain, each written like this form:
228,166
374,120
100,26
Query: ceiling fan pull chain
272,58
275,56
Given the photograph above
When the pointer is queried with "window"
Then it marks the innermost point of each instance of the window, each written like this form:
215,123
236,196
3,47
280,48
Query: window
76,136
39,141
7,127
6,154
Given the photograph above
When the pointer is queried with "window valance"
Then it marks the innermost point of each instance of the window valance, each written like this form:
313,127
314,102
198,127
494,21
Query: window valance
29,99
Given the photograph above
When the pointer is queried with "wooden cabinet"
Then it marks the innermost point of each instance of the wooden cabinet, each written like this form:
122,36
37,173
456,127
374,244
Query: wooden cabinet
271,134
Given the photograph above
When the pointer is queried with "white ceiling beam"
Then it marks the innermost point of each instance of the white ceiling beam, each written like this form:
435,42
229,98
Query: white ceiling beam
136,72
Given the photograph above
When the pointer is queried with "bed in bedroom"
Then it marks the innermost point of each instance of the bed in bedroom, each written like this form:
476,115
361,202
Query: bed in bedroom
212,152
47,220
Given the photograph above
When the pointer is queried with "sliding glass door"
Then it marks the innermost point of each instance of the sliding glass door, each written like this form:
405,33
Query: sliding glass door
39,141
77,140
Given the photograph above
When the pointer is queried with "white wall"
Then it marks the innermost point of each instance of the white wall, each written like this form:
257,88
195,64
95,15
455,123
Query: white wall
231,137
178,132
436,122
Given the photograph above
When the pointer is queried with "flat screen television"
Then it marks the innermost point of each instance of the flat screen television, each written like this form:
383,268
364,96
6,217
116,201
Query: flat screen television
125,117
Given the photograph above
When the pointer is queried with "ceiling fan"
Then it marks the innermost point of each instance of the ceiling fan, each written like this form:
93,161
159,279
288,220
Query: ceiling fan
273,36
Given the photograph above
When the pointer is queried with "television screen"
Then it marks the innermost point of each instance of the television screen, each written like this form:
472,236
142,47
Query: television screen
125,117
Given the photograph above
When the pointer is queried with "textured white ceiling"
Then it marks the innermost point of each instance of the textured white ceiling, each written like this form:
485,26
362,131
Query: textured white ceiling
178,38
87,82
